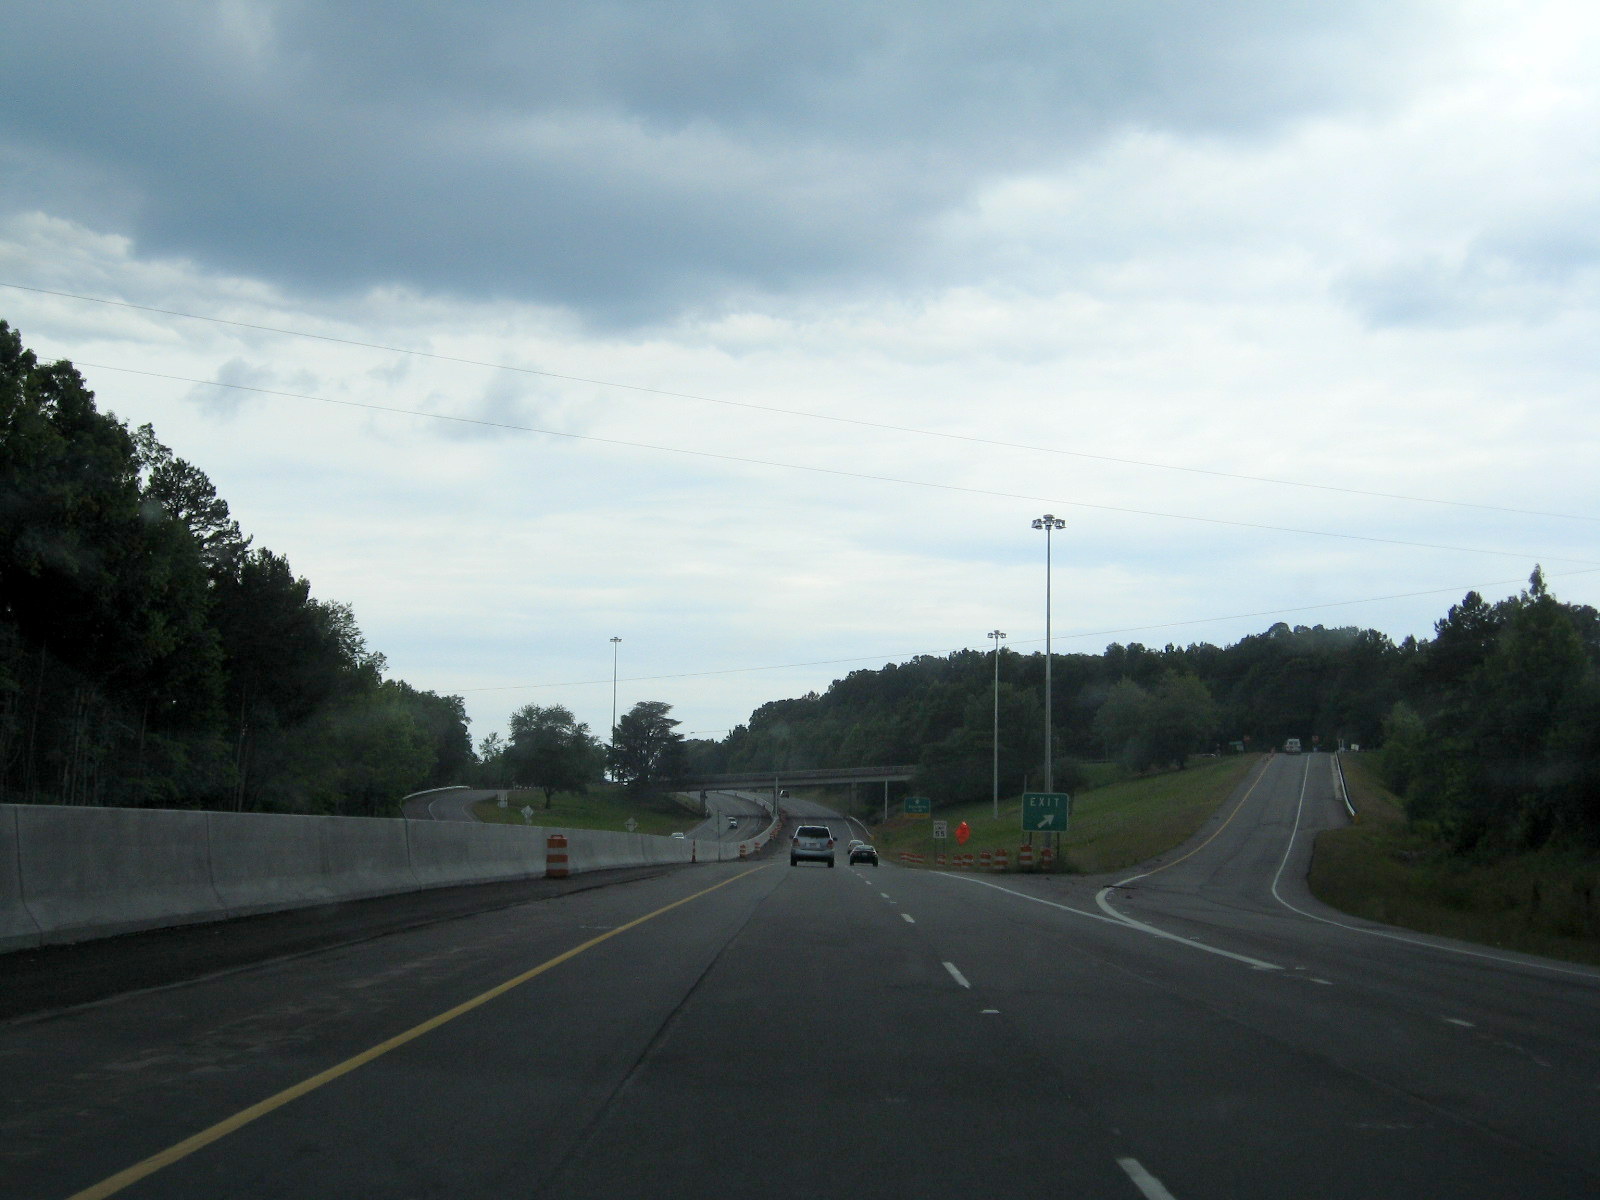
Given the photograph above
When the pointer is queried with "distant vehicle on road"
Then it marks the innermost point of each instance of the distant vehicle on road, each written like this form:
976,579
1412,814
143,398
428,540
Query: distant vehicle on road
733,822
680,835
1292,746
814,843
861,852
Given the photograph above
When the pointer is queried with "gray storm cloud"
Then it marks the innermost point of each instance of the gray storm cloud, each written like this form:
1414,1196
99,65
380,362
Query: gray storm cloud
625,161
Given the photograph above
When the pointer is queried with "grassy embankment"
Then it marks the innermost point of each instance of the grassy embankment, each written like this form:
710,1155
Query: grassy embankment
1114,825
601,807
1542,903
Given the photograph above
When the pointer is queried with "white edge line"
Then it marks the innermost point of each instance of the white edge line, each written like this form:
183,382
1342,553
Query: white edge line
1143,1180
1592,976
957,975
1122,919
1113,917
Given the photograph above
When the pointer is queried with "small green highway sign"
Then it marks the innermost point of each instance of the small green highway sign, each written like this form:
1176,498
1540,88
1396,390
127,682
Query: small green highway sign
919,806
1045,812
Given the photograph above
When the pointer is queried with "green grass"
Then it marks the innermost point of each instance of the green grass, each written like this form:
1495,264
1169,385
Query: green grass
601,807
1112,827
1544,902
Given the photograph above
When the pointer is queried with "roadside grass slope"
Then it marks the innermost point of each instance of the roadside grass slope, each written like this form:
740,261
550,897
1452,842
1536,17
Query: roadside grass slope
601,807
1112,827
1545,902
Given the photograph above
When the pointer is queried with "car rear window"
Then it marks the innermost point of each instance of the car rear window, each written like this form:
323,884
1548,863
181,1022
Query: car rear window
812,831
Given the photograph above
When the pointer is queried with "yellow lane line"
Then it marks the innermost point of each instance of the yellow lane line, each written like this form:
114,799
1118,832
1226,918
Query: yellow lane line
1260,775
122,1179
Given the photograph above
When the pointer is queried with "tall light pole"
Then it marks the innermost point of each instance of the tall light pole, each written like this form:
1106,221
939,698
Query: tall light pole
998,636
614,643
1049,524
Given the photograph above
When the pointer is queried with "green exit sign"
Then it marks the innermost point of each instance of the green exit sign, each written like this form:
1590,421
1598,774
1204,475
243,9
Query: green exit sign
1045,812
918,806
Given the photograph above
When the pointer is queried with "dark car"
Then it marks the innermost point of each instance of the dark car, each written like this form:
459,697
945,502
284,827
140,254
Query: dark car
863,853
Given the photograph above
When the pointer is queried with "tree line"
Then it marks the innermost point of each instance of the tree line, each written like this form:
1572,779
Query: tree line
1490,730
551,750
150,655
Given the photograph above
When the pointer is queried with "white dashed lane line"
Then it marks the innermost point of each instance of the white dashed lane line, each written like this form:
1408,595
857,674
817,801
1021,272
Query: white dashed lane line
957,975
1460,1022
1143,1180
906,917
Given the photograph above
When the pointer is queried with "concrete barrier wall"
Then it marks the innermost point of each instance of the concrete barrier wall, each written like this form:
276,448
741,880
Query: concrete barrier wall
68,874
17,926
600,850
262,862
451,852
89,872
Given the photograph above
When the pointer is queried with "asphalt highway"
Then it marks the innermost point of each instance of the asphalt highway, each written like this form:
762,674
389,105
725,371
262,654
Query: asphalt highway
1197,1028
749,816
448,804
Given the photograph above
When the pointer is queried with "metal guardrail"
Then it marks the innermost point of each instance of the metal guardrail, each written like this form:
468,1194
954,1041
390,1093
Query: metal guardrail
1344,791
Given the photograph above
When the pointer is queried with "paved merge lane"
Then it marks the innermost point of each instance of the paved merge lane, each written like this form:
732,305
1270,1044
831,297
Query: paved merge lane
854,1032
448,804
751,817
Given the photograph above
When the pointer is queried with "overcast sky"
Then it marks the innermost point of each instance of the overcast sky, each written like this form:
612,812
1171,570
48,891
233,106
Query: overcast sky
766,330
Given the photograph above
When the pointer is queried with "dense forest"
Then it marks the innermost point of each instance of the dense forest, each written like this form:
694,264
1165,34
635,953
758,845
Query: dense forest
150,655
1491,730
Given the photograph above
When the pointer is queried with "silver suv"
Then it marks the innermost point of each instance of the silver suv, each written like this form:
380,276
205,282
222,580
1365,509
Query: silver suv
814,842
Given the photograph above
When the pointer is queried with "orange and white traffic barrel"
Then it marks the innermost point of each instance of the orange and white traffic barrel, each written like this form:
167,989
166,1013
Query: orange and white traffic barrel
555,856
1025,858
1002,859
1047,856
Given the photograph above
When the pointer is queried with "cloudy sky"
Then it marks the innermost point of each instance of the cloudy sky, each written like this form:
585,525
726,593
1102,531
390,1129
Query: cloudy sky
756,335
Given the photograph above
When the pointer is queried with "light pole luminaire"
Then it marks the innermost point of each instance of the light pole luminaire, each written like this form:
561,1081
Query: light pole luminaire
1049,523
614,643
998,636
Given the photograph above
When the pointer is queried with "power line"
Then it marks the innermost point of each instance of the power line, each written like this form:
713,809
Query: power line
1099,633
841,473
806,414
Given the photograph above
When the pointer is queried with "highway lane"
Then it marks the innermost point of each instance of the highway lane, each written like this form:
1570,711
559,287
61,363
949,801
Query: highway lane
751,817
806,1032
455,804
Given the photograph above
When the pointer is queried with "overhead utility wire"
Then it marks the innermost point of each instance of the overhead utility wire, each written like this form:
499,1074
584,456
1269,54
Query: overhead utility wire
807,414
1099,633
837,471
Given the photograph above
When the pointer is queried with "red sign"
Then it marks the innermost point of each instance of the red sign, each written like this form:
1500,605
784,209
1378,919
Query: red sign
963,832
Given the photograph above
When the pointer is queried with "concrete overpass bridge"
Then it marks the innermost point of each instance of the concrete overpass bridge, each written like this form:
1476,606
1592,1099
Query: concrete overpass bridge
819,777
